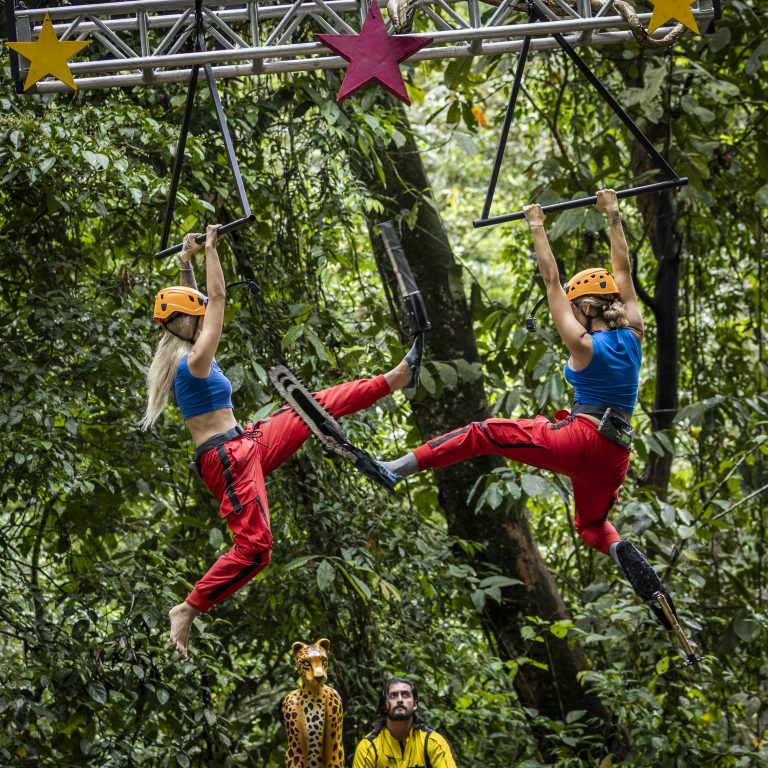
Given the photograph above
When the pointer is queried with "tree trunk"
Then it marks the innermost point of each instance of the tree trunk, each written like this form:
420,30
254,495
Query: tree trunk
659,212
504,533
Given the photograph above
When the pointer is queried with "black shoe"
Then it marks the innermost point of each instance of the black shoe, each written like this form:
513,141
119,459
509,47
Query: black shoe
644,580
413,358
374,470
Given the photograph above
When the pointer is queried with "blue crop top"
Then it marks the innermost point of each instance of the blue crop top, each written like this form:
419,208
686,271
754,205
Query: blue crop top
611,378
195,396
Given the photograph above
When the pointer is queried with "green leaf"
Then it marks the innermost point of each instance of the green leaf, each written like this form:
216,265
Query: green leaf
535,485
97,691
560,629
298,562
325,575
293,334
755,61
499,581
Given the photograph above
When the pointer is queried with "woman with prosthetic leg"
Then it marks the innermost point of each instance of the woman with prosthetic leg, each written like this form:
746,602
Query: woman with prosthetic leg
232,459
597,316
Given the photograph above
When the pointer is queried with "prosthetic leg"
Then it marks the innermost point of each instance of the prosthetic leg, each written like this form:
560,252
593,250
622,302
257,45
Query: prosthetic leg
326,429
413,301
647,585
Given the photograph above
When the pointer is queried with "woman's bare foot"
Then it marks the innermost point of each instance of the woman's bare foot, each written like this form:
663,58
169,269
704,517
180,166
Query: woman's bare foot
398,377
181,616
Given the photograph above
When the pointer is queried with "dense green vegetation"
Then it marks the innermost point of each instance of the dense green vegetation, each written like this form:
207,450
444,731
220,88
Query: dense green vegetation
103,528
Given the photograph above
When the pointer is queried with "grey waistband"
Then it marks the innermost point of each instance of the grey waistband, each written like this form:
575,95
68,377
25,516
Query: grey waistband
219,439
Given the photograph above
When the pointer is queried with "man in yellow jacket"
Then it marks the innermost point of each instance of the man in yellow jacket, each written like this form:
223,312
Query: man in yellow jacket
400,738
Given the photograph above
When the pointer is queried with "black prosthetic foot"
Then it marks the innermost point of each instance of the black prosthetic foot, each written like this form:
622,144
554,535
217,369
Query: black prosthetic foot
644,580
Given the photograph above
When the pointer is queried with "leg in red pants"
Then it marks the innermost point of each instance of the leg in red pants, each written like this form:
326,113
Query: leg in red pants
573,447
235,474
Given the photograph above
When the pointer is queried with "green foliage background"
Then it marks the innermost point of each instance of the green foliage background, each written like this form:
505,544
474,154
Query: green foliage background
102,528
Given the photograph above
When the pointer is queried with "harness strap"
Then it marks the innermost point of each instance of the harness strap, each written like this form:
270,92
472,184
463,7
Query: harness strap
375,751
599,411
219,439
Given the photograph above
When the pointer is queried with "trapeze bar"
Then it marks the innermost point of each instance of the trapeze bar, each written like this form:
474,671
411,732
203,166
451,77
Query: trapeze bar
223,230
582,202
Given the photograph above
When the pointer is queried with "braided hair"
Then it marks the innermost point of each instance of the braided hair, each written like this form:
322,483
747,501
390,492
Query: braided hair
610,308
379,720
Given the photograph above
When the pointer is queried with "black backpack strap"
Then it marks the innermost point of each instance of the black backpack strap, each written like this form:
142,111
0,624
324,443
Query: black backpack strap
427,761
370,737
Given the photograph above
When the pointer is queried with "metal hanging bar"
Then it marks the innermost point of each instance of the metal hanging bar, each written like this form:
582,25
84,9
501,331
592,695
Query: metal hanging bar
221,118
507,124
583,202
179,160
673,179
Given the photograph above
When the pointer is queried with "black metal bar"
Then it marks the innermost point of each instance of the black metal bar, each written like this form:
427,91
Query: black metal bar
663,165
228,146
505,128
223,229
583,202
10,26
247,216
179,161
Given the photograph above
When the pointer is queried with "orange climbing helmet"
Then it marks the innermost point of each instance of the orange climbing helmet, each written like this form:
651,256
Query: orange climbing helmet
597,281
178,298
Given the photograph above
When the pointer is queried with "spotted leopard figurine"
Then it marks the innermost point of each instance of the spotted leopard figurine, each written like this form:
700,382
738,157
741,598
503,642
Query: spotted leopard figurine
313,713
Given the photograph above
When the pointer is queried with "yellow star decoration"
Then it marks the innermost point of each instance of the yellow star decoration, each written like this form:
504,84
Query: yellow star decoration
48,56
664,10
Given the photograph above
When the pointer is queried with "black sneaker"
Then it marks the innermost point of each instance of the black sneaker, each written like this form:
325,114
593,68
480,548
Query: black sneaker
644,580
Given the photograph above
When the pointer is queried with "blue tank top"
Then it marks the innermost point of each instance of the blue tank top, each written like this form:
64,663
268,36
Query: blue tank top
611,378
195,396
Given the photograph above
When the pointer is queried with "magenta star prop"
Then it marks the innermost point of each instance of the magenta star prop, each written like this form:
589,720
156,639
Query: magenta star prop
374,55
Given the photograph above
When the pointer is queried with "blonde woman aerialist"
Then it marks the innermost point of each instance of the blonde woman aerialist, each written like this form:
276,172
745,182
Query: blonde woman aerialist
233,460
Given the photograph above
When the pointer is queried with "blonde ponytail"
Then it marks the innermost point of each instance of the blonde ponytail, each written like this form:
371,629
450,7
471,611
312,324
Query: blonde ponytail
165,362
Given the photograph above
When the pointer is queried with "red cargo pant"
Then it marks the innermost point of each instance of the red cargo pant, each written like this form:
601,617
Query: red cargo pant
572,447
235,473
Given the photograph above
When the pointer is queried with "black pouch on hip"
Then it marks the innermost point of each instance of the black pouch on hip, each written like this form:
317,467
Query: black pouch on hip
616,428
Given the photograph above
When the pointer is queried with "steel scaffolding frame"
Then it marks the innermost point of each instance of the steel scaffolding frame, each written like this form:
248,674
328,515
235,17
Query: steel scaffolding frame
150,42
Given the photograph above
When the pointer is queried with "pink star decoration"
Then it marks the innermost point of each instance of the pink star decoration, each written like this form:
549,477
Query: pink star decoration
374,55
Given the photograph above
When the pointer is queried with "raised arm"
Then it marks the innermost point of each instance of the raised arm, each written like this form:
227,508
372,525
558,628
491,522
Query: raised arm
608,203
187,277
204,349
571,331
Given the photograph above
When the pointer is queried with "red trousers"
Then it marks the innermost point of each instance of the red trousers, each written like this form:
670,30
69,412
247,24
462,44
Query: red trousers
572,447
235,473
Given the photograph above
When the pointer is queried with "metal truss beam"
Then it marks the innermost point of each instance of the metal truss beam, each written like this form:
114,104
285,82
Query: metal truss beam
150,42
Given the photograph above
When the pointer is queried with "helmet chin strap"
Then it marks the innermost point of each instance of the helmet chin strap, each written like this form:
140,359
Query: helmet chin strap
179,336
